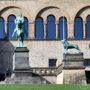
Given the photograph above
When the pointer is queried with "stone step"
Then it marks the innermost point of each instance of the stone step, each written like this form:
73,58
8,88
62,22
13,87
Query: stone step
26,80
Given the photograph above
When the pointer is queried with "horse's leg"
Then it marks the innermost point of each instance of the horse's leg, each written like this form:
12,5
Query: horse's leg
22,38
18,42
22,41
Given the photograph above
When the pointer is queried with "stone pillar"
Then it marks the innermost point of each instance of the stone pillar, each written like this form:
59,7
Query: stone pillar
56,30
6,29
84,29
21,58
22,73
31,30
70,29
21,68
45,24
73,69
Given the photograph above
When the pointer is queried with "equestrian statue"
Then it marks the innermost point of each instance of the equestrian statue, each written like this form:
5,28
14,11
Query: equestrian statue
69,46
20,30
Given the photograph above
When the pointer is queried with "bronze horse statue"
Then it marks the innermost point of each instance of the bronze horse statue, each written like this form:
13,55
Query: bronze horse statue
20,30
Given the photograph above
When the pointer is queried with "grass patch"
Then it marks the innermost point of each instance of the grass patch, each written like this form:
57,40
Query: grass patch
44,87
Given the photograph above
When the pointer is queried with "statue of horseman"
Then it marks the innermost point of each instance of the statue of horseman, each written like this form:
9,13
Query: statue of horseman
20,30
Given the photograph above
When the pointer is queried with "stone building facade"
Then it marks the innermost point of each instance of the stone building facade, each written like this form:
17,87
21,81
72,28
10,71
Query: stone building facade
44,49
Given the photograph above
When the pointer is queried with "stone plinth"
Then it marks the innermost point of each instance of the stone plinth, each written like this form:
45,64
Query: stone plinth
22,73
73,69
21,58
21,68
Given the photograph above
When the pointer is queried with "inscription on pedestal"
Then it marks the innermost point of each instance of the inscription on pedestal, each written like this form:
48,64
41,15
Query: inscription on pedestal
21,61
21,58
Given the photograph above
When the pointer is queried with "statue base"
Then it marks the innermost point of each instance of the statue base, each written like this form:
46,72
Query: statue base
22,73
21,58
21,62
21,68
73,70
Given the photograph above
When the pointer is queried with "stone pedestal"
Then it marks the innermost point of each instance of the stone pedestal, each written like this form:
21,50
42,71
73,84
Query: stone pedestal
22,73
73,69
21,58
21,62
21,68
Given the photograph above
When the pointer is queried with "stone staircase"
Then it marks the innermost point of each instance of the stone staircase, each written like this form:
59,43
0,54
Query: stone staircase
33,75
26,80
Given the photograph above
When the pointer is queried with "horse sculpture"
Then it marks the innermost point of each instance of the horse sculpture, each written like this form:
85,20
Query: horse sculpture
20,30
69,46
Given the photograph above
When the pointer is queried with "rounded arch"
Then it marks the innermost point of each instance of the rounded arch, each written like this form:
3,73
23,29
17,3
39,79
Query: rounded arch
23,10
44,7
50,16
80,9
11,15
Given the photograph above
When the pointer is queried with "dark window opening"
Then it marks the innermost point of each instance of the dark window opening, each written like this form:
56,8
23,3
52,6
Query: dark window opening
51,27
88,26
11,26
78,28
2,28
88,77
39,28
2,77
52,62
62,21
87,62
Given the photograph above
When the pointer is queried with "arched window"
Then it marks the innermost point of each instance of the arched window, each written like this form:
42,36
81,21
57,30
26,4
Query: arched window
39,28
78,28
62,21
51,27
2,28
88,26
11,26
26,26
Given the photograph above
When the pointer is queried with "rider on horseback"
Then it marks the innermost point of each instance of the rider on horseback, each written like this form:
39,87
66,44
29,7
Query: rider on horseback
20,30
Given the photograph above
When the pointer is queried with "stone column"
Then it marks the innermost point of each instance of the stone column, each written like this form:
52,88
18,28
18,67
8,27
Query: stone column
70,29
84,29
57,29
6,28
31,30
45,24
